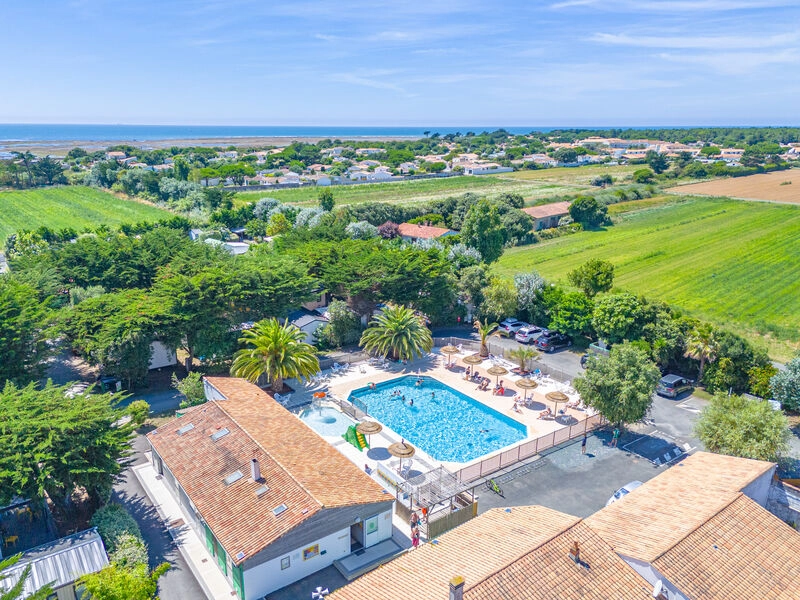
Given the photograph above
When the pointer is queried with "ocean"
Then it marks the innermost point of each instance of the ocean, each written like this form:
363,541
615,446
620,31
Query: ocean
136,133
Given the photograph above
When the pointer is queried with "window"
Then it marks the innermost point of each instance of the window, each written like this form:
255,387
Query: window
311,552
285,563
233,478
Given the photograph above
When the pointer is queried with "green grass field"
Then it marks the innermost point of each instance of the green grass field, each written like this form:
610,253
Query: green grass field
733,263
76,207
531,184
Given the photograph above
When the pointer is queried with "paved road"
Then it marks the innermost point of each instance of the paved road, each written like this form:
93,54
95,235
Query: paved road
178,583
160,402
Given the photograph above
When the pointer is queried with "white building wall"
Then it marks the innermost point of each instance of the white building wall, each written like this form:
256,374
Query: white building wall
652,575
268,577
161,356
758,490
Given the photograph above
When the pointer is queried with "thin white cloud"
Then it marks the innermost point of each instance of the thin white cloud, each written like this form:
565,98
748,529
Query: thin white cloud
694,42
373,79
676,6
736,63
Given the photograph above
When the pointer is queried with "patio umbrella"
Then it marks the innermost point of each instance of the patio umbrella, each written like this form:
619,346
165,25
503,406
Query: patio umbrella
556,397
449,350
473,359
401,450
497,370
368,428
526,384
320,395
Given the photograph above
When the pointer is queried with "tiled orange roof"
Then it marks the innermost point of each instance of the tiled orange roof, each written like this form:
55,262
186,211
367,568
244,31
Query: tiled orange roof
743,551
548,210
666,509
495,552
422,231
300,469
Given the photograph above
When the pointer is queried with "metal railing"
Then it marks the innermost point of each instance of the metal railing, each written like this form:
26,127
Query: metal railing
528,449
354,409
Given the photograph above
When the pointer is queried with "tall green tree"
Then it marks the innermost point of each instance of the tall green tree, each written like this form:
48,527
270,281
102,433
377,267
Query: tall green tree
620,386
737,426
592,277
499,299
618,317
191,387
23,332
17,590
657,161
702,346
573,314
60,443
275,350
399,332
483,230
588,211
326,201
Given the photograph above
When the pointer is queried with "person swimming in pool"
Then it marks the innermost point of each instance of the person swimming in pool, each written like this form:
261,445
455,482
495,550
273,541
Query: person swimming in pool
411,402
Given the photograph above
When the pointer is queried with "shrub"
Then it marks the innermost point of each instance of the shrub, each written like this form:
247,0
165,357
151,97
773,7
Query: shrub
131,551
138,410
113,524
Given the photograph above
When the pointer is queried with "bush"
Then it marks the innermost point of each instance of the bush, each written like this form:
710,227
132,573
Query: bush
138,410
116,527
131,551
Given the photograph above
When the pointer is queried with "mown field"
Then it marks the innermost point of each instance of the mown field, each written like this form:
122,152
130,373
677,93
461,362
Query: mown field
76,207
531,184
731,262
780,186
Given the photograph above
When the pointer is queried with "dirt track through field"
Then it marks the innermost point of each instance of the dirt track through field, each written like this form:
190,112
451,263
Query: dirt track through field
780,186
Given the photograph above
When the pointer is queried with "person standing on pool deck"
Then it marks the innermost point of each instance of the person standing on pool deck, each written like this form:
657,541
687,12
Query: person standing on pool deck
583,444
615,437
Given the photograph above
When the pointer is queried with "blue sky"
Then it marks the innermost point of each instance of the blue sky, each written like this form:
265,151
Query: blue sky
343,62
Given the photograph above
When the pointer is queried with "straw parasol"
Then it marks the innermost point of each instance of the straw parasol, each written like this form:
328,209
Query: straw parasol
526,384
497,370
368,428
401,450
473,359
556,398
449,350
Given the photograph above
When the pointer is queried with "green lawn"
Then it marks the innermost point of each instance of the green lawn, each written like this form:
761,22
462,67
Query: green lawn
730,262
76,207
531,184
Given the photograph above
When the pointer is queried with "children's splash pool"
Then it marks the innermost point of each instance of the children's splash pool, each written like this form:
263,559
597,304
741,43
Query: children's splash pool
325,420
443,422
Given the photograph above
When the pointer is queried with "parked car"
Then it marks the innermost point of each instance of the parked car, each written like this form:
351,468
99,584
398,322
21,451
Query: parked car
624,491
510,327
598,348
528,334
672,386
550,341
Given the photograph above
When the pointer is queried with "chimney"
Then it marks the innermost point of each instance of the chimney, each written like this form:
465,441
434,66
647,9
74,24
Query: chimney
575,552
255,470
457,588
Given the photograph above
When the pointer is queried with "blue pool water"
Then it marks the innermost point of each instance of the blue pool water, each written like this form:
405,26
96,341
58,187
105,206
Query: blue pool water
326,421
447,425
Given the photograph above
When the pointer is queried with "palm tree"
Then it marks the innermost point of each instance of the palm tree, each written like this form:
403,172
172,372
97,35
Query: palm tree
399,332
484,329
522,355
16,592
702,346
275,350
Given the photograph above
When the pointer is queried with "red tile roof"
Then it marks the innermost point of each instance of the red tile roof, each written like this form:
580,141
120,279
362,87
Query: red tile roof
743,551
519,553
543,211
300,468
422,231
657,515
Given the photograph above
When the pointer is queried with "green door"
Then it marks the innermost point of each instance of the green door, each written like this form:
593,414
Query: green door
222,559
209,539
238,581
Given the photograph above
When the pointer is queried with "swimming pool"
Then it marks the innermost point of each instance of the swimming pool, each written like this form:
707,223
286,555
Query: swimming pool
325,420
446,424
